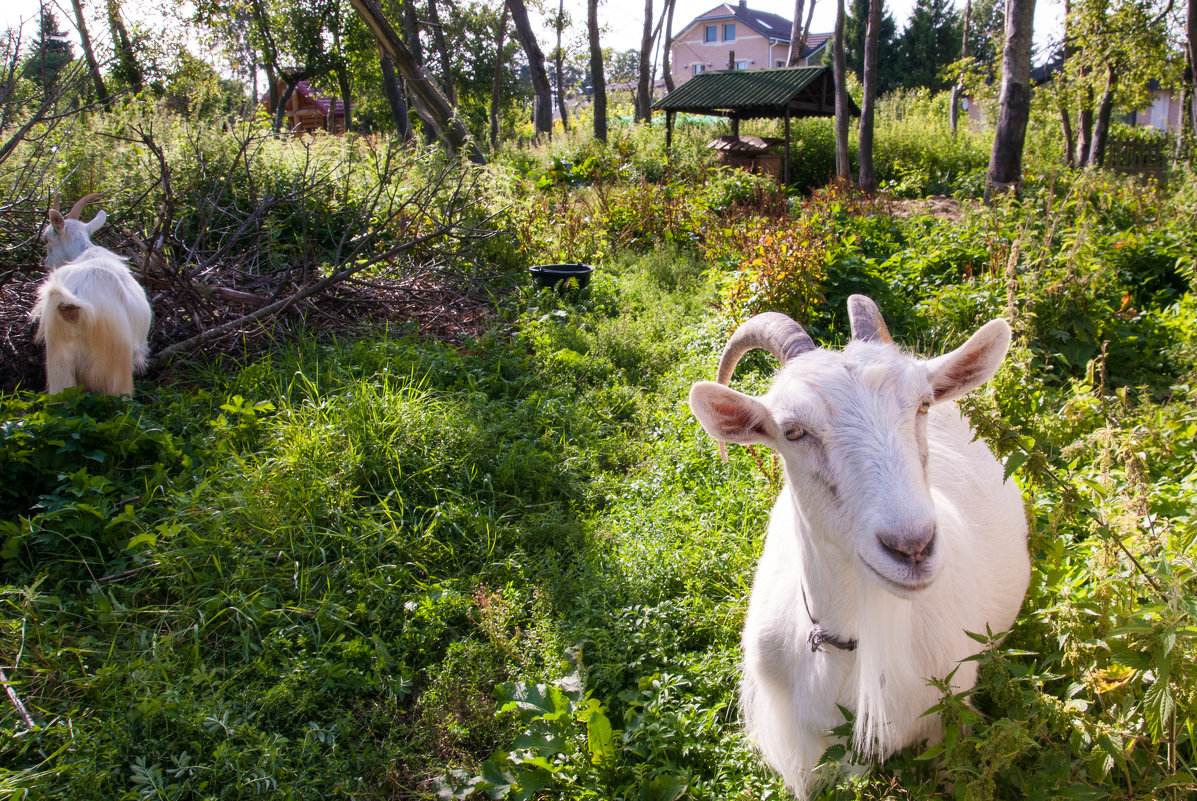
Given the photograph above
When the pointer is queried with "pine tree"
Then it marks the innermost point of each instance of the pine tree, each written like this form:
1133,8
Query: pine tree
888,65
930,42
50,51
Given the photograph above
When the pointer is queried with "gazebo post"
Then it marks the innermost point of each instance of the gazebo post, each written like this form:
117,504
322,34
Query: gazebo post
736,127
787,161
668,130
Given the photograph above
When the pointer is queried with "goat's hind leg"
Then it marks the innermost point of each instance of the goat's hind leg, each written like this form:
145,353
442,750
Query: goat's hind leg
60,366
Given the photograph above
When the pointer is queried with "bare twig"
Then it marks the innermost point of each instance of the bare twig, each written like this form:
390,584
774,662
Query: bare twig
16,701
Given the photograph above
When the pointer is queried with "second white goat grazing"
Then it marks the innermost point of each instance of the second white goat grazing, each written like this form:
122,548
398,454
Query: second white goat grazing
92,314
894,535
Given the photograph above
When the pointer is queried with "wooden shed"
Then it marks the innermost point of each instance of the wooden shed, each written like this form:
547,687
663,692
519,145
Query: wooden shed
782,93
308,110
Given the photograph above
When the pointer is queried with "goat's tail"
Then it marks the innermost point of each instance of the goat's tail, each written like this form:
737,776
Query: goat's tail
87,342
57,307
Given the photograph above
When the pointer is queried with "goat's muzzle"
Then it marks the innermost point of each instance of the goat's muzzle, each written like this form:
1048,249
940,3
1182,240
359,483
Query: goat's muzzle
910,552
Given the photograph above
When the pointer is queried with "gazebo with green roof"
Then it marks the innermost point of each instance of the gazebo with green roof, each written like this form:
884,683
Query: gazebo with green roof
782,93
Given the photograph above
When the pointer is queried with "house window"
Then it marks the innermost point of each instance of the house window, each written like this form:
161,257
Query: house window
781,62
729,32
710,33
700,68
742,65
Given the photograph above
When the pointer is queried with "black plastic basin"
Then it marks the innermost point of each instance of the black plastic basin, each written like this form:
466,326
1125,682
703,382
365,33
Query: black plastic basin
552,276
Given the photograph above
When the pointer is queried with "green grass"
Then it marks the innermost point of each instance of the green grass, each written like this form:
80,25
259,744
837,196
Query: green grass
384,567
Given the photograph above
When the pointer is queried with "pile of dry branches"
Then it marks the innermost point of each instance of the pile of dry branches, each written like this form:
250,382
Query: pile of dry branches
401,255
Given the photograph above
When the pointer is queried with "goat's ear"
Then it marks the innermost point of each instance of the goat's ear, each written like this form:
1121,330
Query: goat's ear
972,364
57,222
96,222
731,416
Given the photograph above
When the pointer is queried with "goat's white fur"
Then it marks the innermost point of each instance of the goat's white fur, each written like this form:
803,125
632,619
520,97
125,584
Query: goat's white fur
91,313
871,463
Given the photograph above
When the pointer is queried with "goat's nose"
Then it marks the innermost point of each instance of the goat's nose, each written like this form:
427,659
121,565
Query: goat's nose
910,545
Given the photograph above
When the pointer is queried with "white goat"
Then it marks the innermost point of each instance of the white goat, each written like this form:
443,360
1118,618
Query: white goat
92,314
895,534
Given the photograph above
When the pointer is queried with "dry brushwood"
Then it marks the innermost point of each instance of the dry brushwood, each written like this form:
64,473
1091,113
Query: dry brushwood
402,258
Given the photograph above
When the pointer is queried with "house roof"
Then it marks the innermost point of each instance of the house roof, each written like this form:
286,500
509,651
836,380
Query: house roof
771,26
321,101
753,94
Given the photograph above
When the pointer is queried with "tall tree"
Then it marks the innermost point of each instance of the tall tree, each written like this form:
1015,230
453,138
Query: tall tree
868,180
89,53
855,28
559,23
666,66
843,168
128,69
644,83
799,32
1116,48
929,43
50,51
497,84
1191,61
598,80
958,86
442,49
542,114
1014,104
394,93
436,108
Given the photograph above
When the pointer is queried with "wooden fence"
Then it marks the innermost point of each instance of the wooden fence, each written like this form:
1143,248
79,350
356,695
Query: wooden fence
1146,157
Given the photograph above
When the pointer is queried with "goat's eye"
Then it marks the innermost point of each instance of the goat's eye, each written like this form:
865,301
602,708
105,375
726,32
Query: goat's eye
794,432
925,406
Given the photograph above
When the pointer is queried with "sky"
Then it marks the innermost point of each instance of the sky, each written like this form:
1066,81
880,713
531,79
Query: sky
623,19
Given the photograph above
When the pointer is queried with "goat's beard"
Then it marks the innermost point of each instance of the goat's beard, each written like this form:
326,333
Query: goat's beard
890,695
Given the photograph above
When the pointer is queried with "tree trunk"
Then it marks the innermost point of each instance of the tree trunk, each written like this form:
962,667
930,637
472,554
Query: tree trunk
439,113
280,109
411,29
1070,143
644,89
123,45
1191,48
1005,164
269,53
442,49
394,93
843,167
543,113
598,80
344,83
868,180
1101,126
497,86
1069,137
667,67
559,65
1084,129
346,87
958,87
798,33
88,53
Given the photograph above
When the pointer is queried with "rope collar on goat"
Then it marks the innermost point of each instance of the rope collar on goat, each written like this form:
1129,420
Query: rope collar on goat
818,635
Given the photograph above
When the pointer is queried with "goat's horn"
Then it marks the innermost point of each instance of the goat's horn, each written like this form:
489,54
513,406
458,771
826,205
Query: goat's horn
866,321
54,205
86,200
771,331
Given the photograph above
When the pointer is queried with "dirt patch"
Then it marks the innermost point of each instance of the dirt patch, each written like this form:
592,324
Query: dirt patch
945,208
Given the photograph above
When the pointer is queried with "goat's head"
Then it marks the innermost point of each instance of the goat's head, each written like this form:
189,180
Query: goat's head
67,237
851,427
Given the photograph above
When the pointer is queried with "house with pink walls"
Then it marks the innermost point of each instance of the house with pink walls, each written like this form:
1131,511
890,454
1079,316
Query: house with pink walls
734,36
